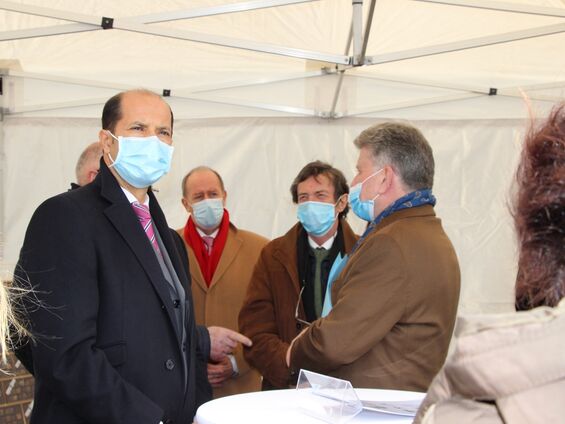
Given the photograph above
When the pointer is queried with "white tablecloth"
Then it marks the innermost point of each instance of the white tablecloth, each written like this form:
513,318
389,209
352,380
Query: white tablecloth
282,406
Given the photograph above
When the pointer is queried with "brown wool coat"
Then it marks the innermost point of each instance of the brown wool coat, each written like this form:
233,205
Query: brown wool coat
267,315
220,303
394,309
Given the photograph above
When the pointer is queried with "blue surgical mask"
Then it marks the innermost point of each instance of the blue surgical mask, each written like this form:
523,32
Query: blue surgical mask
141,160
364,209
316,217
208,213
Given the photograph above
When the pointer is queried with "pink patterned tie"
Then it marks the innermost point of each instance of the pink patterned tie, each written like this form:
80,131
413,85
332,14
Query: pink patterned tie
144,217
208,242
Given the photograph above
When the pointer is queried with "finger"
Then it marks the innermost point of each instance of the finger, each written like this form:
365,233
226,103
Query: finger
240,338
213,368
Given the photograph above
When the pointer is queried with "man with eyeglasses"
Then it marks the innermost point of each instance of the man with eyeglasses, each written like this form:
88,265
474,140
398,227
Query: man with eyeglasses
395,300
288,286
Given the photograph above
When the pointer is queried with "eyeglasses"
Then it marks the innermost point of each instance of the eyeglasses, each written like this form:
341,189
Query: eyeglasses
301,321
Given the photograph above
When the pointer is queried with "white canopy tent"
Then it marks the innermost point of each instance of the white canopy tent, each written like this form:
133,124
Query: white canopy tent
260,88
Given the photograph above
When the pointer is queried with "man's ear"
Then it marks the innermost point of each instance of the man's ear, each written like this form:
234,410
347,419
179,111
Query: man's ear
186,205
225,200
341,203
388,176
106,140
92,175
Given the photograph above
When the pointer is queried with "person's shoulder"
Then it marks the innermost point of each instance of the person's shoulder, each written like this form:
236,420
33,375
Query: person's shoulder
249,236
286,241
62,200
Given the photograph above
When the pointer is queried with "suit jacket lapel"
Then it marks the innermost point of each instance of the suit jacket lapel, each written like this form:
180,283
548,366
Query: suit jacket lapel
123,218
233,244
195,271
290,262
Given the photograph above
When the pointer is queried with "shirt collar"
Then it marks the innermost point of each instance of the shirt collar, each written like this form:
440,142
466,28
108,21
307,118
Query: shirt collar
203,234
132,198
326,245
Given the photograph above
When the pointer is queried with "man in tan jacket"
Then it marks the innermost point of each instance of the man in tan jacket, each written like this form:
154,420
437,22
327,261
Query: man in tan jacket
221,259
395,300
289,281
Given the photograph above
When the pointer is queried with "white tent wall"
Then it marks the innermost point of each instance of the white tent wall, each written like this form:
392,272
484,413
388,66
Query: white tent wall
253,115
259,157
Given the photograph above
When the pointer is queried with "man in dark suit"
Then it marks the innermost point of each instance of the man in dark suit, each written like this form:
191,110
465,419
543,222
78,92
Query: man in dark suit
115,337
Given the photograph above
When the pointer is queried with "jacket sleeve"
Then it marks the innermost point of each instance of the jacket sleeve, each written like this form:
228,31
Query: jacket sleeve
59,259
203,387
257,320
368,300
242,365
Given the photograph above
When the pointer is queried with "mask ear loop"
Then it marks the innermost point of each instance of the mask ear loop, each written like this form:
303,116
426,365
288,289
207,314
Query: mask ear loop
371,176
378,194
109,155
335,204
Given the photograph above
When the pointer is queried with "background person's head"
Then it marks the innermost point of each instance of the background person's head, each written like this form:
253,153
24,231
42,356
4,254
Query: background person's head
332,182
204,197
539,215
88,164
394,159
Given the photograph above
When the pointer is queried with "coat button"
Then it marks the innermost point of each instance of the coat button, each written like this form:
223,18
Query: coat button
162,306
176,303
169,364
298,326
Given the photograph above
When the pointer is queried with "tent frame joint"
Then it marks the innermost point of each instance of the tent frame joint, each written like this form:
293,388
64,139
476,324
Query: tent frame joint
107,23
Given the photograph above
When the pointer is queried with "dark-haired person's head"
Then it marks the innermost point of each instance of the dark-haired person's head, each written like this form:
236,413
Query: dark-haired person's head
539,215
112,111
136,138
320,190
321,172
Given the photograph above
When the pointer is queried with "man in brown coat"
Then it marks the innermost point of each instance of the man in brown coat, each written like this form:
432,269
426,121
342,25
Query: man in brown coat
289,281
221,258
395,301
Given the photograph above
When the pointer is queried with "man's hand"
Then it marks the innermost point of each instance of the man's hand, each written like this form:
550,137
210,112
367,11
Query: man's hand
219,372
223,341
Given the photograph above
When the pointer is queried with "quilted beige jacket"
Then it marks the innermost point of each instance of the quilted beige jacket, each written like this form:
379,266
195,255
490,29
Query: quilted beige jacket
507,368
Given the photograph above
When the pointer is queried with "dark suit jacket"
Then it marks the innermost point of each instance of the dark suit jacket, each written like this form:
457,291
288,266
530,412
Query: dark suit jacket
107,349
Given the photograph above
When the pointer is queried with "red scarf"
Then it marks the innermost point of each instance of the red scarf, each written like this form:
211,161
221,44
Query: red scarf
207,262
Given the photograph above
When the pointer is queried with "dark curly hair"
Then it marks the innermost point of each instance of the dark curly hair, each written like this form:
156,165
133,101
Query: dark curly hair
539,215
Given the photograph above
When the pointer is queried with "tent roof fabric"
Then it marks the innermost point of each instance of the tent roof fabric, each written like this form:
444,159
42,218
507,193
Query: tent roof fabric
430,59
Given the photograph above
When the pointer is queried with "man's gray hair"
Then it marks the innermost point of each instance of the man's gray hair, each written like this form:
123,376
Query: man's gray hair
92,153
405,148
